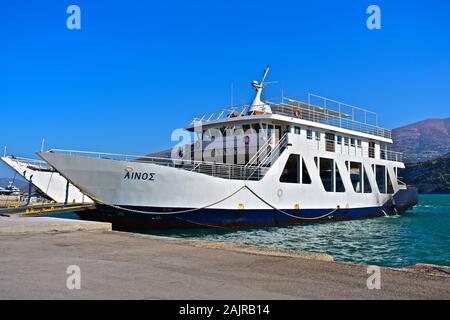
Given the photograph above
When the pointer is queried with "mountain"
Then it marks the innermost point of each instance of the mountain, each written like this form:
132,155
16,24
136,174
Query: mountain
424,140
431,176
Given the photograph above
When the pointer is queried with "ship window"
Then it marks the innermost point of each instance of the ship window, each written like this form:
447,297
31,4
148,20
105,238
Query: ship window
306,179
269,130
309,134
381,178
355,169
399,175
390,187
352,142
371,149
359,143
330,142
327,174
278,132
339,139
367,186
339,183
346,141
297,130
317,136
264,126
291,170
256,127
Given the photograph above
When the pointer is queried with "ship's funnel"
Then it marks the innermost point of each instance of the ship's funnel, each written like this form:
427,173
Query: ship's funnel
258,106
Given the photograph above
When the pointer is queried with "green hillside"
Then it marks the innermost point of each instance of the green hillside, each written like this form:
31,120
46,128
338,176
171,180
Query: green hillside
431,176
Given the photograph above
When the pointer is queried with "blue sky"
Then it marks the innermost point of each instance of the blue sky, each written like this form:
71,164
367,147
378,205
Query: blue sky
138,69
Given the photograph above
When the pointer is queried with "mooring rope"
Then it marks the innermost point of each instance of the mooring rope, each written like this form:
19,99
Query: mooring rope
288,214
208,206
165,213
170,213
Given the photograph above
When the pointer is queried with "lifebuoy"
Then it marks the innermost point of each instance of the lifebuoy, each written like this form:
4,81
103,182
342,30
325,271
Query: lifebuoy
297,113
197,144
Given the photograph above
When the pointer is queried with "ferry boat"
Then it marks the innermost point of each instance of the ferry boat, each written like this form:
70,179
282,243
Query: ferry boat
46,180
267,163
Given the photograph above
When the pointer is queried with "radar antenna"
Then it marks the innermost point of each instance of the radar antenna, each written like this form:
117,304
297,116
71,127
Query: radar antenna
258,106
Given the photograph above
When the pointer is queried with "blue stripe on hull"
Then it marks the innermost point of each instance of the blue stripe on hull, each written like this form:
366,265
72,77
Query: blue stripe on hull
213,218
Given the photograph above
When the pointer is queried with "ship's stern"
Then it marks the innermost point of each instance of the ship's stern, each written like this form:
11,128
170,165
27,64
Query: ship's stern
406,199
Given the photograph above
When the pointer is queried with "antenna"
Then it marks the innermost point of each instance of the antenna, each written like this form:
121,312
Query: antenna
265,75
4,151
42,144
259,106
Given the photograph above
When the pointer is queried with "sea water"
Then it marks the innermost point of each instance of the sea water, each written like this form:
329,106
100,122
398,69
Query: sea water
419,236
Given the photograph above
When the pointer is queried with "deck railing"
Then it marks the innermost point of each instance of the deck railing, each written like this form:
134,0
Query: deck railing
355,149
225,113
270,157
314,108
221,170
327,117
40,164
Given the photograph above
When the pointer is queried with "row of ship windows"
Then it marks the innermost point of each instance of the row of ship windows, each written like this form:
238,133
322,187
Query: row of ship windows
296,171
310,134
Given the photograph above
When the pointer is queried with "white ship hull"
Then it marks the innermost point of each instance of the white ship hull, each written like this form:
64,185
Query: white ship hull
104,180
162,195
47,181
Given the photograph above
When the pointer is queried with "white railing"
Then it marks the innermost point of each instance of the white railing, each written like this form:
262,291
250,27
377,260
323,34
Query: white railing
270,157
262,152
354,150
40,164
401,184
342,115
225,113
221,170
314,108
391,155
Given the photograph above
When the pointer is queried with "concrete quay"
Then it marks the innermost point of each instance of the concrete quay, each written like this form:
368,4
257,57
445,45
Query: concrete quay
35,254
30,225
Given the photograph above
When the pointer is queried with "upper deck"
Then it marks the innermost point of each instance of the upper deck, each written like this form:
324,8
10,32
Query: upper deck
313,108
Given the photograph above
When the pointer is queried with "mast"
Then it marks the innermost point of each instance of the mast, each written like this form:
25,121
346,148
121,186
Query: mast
258,106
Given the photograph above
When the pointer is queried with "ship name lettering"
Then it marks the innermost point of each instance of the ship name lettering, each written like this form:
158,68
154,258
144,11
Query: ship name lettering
145,176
